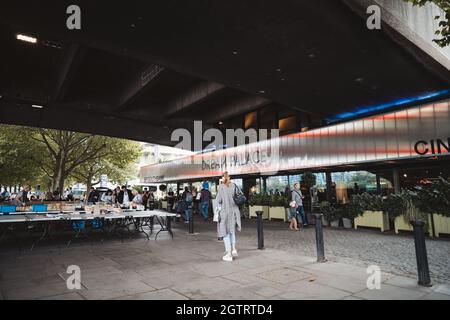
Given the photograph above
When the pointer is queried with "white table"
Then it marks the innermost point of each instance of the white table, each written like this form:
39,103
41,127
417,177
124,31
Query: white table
116,220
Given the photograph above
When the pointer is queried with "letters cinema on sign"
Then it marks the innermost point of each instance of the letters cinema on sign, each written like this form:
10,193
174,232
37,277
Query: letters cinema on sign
422,131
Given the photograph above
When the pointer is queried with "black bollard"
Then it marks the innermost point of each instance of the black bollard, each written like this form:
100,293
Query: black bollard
421,253
319,238
191,223
259,228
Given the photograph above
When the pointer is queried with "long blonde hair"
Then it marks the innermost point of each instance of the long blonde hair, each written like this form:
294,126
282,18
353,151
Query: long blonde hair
226,179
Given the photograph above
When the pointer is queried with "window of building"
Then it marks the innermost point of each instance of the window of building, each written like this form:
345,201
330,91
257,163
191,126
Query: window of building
276,184
287,125
268,118
355,182
251,120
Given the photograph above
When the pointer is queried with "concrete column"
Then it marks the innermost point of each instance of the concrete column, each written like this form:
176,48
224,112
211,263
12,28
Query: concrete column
396,180
328,178
378,183
264,181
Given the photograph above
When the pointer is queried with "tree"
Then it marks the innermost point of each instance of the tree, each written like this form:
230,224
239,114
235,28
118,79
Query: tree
16,151
46,156
444,24
117,160
65,151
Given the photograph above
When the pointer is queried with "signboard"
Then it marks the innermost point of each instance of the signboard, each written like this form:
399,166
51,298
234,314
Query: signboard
422,131
103,181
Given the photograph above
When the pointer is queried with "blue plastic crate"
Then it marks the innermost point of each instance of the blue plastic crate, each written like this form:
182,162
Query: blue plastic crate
39,207
78,225
8,209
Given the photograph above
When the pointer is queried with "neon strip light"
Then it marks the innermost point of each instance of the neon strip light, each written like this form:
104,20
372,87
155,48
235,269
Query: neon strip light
380,107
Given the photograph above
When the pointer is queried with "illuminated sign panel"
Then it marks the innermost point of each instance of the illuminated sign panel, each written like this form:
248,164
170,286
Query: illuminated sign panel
417,132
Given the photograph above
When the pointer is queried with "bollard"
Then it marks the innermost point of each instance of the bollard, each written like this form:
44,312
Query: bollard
421,253
191,223
259,228
319,238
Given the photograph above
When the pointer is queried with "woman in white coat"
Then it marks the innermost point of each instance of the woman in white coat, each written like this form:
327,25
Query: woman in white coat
229,217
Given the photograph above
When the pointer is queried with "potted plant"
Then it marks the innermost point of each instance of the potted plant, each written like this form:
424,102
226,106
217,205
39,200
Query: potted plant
398,206
277,208
330,213
259,202
373,214
351,210
434,199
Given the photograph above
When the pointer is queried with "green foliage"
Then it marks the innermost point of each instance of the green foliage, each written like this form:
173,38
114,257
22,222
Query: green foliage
396,204
53,157
352,210
279,201
444,24
308,180
117,160
259,200
330,211
367,201
434,198
16,150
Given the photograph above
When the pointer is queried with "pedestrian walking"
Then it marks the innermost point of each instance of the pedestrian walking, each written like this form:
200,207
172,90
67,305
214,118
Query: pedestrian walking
229,217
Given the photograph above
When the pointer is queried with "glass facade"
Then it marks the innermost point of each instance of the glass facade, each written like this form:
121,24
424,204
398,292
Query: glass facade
276,184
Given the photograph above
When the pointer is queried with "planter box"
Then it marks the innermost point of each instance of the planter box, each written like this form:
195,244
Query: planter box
264,209
347,223
401,224
441,224
277,213
374,219
334,223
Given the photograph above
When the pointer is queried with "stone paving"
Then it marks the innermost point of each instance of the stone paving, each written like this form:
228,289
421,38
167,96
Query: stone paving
393,253
190,267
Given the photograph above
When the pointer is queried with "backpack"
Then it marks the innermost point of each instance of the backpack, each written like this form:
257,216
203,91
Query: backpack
189,197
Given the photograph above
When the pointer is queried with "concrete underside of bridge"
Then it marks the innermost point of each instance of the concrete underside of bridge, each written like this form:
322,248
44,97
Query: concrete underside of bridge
139,70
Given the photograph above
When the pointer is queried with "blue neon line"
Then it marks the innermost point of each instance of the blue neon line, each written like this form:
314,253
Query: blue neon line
371,109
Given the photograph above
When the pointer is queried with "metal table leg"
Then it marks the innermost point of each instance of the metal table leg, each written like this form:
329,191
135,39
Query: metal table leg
42,237
166,225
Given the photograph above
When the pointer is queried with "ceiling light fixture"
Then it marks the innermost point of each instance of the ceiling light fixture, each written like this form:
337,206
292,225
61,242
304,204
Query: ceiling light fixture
36,106
26,38
220,123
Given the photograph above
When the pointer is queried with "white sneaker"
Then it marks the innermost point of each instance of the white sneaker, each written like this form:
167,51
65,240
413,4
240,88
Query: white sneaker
227,257
234,253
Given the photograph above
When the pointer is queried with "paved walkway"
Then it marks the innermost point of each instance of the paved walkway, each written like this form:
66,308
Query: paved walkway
189,267
393,253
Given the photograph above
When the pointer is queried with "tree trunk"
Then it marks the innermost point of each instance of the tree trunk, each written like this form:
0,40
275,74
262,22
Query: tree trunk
88,183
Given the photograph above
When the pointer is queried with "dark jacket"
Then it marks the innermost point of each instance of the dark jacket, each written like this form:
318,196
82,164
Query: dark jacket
186,205
93,196
205,195
120,196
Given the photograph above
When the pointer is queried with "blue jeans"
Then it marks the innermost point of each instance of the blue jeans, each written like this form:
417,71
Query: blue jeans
187,214
301,213
204,208
229,240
